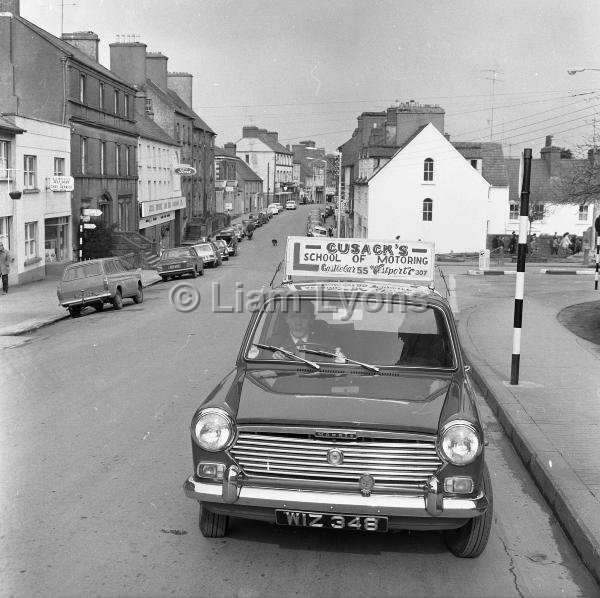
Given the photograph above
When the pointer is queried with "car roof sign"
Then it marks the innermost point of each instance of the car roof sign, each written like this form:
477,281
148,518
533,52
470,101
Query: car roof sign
366,259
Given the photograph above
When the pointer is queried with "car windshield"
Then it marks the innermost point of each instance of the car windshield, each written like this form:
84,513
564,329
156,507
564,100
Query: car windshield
371,330
175,253
203,249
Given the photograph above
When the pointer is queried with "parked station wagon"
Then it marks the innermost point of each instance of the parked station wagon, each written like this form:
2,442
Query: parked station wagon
97,282
349,405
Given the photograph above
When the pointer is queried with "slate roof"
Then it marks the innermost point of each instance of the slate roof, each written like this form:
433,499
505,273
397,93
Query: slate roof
148,129
7,125
273,145
245,172
70,50
493,166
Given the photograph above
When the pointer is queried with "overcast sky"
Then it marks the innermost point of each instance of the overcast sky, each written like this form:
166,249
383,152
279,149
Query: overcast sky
308,68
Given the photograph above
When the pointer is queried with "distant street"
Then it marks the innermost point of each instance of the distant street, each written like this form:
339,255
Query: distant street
95,447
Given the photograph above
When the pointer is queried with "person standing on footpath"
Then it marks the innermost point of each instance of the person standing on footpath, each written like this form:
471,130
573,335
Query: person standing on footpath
6,259
512,244
555,244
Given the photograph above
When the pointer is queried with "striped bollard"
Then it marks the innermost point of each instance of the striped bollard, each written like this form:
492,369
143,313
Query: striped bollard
521,256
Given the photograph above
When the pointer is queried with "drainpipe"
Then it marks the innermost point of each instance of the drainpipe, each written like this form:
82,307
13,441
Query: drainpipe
64,60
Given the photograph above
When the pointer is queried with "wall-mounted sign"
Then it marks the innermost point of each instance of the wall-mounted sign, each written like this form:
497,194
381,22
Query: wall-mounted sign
184,169
91,212
61,183
158,219
157,206
89,226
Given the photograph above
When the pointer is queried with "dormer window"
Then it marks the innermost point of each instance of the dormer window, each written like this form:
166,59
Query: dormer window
428,170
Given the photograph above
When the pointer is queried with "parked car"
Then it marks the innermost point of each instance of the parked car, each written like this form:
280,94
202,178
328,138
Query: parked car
280,207
263,217
369,423
273,209
210,254
223,248
255,218
230,237
317,231
178,261
97,282
290,205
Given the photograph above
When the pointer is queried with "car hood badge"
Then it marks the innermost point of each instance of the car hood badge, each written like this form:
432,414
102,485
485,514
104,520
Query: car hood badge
335,456
366,483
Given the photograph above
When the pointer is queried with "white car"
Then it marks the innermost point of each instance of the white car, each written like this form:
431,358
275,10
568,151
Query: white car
273,209
279,206
290,205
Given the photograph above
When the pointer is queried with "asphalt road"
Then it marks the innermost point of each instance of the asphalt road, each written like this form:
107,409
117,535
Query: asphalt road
95,447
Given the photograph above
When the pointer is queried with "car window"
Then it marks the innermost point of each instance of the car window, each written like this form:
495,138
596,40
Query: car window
203,249
110,267
92,269
74,273
385,331
176,252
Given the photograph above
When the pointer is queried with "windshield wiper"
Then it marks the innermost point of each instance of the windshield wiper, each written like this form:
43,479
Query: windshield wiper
367,366
274,349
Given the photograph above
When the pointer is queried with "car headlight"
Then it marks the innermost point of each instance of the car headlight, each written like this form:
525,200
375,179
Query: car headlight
459,442
213,430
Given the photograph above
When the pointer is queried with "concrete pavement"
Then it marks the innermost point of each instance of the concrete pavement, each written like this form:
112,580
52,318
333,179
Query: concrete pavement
553,415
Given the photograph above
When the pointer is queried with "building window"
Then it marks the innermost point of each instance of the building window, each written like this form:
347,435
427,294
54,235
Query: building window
118,159
428,170
514,211
127,160
126,106
59,167
4,159
116,106
177,132
583,213
148,105
82,89
537,211
29,172
474,164
427,210
102,157
5,230
101,96
82,153
247,158
30,240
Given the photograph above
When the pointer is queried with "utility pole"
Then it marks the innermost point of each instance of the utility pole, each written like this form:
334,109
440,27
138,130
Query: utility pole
493,78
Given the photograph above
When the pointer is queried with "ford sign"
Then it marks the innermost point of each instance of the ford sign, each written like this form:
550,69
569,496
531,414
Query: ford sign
185,169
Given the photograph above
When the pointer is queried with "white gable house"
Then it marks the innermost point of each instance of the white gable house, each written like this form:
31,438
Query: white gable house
428,191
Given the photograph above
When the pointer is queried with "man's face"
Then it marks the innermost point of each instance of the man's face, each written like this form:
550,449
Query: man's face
299,323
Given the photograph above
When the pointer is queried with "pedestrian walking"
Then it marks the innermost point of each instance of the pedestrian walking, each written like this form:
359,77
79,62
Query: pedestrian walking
6,259
554,245
512,244
330,231
533,247
565,244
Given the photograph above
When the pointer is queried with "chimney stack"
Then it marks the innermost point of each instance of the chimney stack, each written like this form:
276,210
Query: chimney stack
230,149
128,61
156,69
85,41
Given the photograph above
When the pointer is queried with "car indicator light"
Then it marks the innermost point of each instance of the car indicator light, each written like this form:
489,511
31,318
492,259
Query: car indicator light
458,485
213,471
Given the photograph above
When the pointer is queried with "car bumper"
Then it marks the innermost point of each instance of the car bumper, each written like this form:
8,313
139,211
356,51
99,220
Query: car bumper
175,272
234,498
86,300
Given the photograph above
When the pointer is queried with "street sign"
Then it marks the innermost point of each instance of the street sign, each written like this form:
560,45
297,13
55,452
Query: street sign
85,218
91,212
89,226
61,183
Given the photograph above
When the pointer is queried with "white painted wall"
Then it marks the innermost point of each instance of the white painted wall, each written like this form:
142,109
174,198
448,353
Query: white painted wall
458,191
45,141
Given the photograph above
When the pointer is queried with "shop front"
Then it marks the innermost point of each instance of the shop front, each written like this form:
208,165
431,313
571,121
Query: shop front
161,221
56,243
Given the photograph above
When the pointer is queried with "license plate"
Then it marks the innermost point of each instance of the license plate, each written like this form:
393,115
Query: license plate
174,266
331,521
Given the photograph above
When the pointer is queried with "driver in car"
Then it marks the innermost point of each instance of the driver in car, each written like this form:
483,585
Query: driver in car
302,328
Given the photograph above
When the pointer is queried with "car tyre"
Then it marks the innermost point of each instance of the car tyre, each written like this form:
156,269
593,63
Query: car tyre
194,272
212,525
118,300
139,297
75,312
202,272
470,540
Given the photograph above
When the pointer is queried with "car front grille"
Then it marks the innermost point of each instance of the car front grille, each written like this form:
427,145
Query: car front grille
395,461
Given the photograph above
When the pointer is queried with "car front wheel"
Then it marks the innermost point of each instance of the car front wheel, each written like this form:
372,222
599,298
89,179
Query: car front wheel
118,300
74,312
139,296
213,525
194,272
470,540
